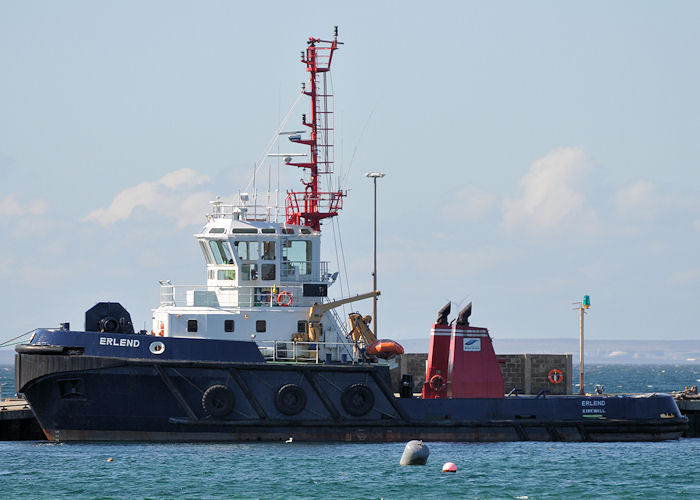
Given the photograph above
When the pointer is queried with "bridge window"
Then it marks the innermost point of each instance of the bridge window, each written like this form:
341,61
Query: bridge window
296,255
246,250
228,274
222,251
244,230
269,252
268,271
249,272
207,256
268,230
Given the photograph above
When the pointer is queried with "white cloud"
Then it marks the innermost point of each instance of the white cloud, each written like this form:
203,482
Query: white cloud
638,199
172,196
686,277
549,191
469,203
10,206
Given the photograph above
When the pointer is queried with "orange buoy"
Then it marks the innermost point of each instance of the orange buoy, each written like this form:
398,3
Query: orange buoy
385,349
449,467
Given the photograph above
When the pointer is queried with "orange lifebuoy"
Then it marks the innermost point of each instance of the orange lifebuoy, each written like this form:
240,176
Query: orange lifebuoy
437,383
285,299
555,376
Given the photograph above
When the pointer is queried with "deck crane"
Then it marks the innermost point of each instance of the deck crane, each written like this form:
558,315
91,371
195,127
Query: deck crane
313,330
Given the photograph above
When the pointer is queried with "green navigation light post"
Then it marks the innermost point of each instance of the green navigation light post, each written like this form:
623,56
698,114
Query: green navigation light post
582,306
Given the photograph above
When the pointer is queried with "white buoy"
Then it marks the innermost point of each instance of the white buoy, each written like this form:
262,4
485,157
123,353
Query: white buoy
415,453
449,467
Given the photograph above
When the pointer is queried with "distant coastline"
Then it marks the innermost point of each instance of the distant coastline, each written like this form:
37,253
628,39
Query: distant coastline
596,351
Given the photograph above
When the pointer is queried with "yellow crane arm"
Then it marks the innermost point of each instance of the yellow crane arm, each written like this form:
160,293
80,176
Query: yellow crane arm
317,311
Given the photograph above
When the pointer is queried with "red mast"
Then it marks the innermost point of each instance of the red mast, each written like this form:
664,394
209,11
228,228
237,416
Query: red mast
310,206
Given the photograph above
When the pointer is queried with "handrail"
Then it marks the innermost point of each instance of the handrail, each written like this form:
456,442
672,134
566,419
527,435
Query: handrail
288,350
248,212
304,270
226,296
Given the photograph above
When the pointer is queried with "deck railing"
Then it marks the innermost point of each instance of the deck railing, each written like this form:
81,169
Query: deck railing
313,352
227,296
303,270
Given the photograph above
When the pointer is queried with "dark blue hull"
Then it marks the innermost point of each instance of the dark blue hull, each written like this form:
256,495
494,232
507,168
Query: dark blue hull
78,394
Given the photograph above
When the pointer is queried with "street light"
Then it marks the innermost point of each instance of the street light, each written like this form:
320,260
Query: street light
374,176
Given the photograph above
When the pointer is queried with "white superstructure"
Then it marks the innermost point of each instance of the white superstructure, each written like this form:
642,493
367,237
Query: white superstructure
262,278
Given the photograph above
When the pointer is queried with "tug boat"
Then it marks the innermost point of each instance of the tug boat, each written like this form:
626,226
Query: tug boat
259,353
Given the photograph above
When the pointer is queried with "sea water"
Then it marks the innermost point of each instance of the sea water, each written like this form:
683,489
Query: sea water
523,470
528,470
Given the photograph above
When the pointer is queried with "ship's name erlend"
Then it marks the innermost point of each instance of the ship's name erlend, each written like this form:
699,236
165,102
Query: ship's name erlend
594,402
120,342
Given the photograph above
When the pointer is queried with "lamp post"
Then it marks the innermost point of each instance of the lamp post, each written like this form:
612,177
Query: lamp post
374,176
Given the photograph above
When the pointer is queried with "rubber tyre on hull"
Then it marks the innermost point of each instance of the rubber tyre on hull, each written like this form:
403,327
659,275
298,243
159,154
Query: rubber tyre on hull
357,400
218,401
290,399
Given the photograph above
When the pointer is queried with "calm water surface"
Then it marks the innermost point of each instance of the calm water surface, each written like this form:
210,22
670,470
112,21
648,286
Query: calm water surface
499,470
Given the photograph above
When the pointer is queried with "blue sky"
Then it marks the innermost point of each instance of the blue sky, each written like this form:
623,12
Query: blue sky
535,152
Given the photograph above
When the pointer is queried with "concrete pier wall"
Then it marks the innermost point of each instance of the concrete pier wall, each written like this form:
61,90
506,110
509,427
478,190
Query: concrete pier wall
529,373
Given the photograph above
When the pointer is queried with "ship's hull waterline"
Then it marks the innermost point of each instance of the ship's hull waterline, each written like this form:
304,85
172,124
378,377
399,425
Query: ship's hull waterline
95,398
